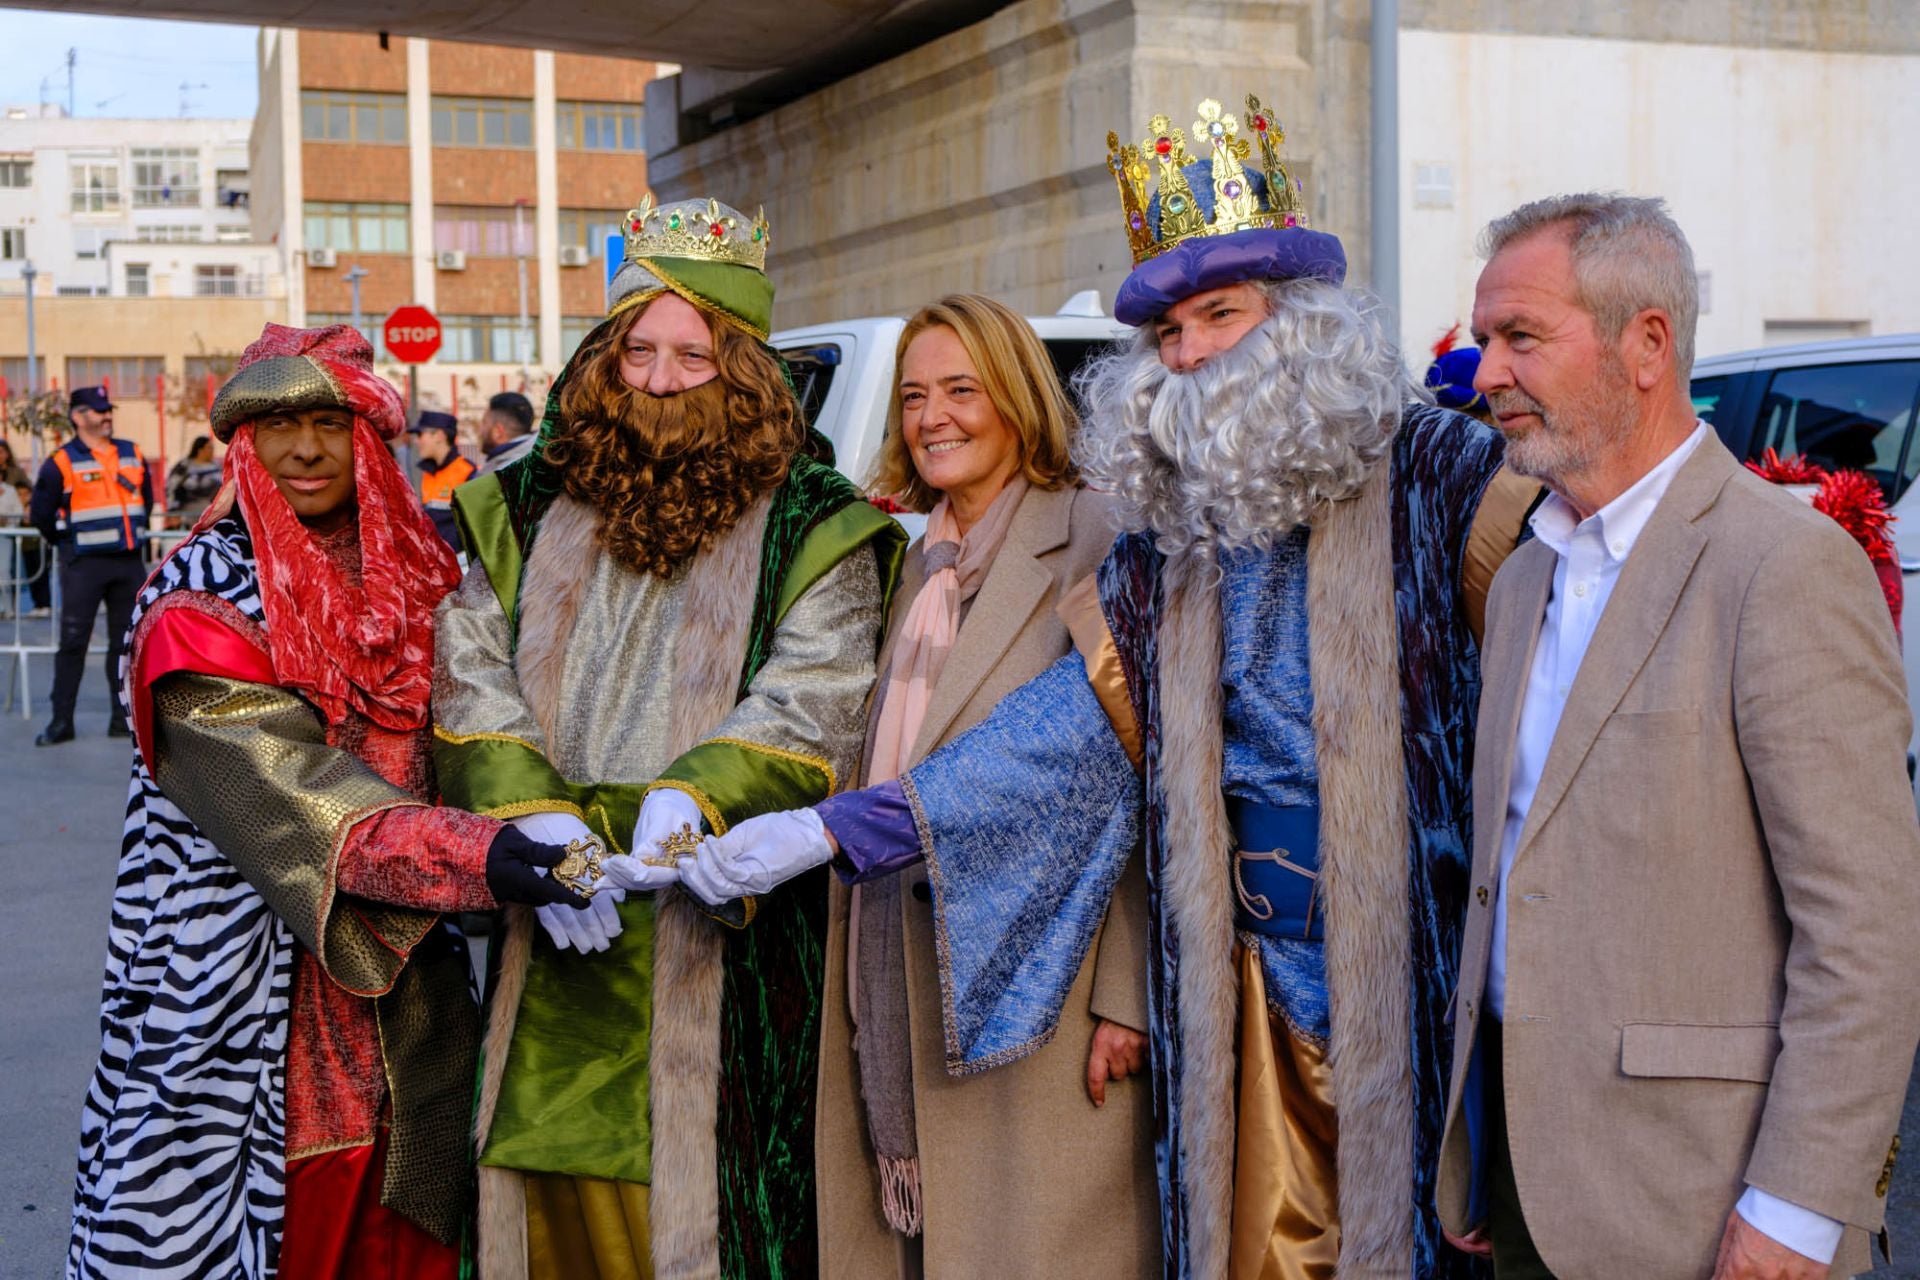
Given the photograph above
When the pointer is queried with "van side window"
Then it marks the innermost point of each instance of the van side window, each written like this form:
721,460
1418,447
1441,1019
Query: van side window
1707,394
1847,416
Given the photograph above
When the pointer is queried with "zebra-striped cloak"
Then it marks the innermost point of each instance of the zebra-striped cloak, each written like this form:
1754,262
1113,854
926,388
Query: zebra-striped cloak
185,1129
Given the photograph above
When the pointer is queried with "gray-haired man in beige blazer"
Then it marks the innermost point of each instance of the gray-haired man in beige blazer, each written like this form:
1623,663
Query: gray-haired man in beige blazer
1688,1002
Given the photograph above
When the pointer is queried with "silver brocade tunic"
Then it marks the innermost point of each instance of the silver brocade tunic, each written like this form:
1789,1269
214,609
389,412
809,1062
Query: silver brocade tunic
809,697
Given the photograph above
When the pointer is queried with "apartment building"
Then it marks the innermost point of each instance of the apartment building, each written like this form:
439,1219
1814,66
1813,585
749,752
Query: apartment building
147,276
475,180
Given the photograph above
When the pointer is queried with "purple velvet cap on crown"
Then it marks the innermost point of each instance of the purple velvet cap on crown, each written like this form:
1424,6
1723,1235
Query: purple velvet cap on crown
1208,262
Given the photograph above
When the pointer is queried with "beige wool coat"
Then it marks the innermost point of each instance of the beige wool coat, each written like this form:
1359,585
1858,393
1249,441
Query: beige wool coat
1711,976
1021,1176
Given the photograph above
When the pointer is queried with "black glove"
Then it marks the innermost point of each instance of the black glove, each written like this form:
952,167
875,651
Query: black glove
515,871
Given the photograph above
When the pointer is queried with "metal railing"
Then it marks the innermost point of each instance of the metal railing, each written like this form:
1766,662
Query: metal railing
23,638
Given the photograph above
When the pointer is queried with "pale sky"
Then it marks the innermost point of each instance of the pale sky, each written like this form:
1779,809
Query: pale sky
128,67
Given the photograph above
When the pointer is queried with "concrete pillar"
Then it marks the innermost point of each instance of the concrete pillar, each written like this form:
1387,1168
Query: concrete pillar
420,171
546,183
978,161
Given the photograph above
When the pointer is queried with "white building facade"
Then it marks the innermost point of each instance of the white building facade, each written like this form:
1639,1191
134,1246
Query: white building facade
138,208
1793,169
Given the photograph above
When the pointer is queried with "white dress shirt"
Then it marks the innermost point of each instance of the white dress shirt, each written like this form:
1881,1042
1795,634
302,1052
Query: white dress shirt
1591,554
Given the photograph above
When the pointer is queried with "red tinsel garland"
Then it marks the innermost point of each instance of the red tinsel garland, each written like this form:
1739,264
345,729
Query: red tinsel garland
1854,500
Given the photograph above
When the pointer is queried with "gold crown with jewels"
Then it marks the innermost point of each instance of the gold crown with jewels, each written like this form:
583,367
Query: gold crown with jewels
1157,222
704,229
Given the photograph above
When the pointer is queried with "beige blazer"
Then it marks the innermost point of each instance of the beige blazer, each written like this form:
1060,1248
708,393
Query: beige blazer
1711,975
1021,1176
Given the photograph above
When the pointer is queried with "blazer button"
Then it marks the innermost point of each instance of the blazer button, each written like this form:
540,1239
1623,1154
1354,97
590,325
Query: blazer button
1481,894
923,891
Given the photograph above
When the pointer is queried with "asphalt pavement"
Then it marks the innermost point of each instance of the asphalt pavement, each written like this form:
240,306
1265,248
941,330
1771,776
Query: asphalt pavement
61,811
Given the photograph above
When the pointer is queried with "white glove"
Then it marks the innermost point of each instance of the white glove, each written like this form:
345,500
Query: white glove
662,813
756,855
589,928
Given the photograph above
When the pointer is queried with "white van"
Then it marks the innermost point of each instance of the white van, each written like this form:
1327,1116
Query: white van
844,373
1848,404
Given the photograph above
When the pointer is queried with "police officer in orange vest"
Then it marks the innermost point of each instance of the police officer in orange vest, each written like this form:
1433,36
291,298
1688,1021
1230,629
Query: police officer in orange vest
91,502
442,469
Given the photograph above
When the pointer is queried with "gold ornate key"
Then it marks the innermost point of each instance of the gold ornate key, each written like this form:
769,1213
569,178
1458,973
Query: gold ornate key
580,869
676,845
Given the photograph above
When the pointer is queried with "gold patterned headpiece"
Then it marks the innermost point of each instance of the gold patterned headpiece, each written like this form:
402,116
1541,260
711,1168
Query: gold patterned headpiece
1217,195
701,229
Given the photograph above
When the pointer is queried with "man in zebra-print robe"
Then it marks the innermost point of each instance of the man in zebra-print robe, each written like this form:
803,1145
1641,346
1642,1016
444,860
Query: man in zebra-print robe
287,1029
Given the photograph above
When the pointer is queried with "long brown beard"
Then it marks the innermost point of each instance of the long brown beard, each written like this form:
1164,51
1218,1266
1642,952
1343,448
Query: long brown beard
668,474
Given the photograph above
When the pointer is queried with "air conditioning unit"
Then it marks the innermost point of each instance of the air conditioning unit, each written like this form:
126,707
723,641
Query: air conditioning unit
574,255
322,257
451,260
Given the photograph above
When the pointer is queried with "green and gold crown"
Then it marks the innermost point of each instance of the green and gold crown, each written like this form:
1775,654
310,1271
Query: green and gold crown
702,229
1214,196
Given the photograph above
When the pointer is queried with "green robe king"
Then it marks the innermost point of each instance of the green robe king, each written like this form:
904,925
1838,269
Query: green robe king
646,1110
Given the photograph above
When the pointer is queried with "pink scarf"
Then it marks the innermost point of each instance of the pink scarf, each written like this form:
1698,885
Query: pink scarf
956,566
876,958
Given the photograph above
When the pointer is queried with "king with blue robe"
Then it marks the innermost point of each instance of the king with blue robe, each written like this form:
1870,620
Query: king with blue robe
1272,701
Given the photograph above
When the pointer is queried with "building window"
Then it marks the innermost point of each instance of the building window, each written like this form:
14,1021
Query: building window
482,122
13,375
90,242
136,279
485,340
481,231
13,243
96,187
370,328
231,188
16,173
598,126
233,235
185,233
202,376
127,376
216,280
338,115
166,177
356,228
573,332
590,228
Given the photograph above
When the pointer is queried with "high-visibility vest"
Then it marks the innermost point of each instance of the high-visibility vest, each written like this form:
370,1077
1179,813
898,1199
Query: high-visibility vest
102,486
436,487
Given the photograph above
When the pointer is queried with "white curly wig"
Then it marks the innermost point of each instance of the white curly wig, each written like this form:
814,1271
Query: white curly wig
1258,439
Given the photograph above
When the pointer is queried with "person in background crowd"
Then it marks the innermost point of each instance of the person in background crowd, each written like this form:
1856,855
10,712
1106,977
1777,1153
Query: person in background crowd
22,560
192,482
436,436
506,431
1687,1004
288,1039
15,495
1276,666
923,1173
1450,377
91,502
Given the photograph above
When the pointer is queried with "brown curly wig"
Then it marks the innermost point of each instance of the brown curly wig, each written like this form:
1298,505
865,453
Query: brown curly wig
670,474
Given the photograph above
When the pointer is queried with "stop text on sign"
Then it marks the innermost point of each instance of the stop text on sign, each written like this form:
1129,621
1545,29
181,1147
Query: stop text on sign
413,333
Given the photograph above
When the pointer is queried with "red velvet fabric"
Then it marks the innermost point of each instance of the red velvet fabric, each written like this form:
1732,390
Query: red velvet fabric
337,1229
434,859
363,646
180,634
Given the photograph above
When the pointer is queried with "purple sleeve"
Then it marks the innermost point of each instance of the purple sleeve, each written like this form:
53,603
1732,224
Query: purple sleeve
874,829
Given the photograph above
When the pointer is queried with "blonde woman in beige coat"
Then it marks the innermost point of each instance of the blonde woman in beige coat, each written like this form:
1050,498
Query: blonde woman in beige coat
1044,1167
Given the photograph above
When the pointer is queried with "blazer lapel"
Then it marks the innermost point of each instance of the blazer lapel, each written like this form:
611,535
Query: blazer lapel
1513,631
1636,614
1016,584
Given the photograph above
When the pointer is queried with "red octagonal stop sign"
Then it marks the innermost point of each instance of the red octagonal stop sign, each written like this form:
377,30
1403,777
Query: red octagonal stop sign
412,334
